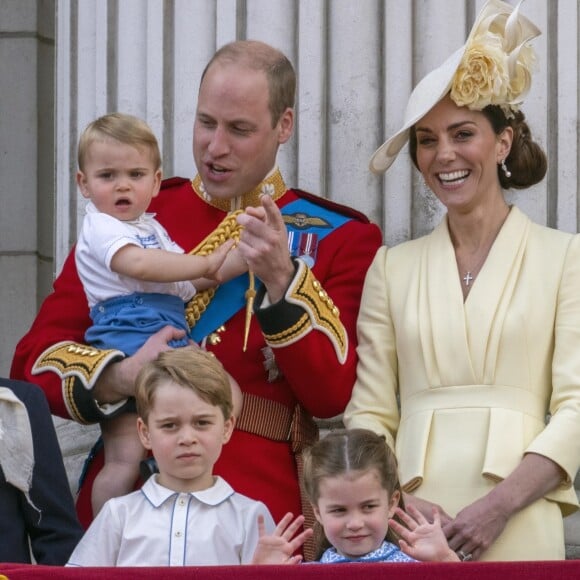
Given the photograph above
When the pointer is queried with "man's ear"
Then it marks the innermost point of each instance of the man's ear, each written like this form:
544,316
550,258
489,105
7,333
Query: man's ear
286,125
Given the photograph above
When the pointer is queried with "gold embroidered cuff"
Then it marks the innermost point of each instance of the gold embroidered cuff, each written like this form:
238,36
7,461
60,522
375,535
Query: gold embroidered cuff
68,359
318,312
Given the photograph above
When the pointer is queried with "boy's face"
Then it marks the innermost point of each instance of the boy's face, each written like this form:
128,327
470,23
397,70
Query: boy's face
186,435
354,509
119,179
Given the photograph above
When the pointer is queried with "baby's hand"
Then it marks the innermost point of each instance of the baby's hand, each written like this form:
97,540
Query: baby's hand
279,547
233,266
421,539
217,259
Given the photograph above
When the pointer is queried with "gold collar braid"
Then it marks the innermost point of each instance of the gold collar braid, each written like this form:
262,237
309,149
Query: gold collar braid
273,185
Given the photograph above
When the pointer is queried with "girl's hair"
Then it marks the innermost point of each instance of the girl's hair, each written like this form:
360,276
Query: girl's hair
526,161
344,451
191,368
126,129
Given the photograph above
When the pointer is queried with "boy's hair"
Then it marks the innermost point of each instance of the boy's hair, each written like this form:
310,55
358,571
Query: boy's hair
260,56
191,368
344,451
121,127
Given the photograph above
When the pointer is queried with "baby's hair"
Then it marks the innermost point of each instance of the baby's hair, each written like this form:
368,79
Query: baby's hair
123,128
344,451
189,367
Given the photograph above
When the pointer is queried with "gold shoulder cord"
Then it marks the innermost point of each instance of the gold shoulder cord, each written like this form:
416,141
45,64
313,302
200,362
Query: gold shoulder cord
226,230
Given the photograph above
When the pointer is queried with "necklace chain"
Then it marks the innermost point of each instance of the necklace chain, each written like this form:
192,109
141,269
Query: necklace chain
472,273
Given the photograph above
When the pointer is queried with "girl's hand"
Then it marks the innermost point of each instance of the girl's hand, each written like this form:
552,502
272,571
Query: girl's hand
421,539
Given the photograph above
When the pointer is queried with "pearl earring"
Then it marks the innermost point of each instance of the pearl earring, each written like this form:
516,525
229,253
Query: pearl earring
506,171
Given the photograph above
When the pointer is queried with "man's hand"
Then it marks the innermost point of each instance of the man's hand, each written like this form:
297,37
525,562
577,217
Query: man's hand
279,547
117,382
264,246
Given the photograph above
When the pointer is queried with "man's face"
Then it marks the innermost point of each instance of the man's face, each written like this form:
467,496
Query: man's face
234,143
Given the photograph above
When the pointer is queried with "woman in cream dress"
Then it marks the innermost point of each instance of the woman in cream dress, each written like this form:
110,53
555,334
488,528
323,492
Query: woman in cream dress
469,337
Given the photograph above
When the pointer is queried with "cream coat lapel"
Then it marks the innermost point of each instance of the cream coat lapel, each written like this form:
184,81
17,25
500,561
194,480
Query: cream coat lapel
489,299
441,320
460,341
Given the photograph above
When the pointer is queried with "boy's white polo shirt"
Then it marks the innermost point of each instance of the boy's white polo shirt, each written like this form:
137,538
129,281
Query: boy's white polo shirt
156,526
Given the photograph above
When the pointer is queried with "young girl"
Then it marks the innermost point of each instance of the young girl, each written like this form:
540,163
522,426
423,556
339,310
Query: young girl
350,477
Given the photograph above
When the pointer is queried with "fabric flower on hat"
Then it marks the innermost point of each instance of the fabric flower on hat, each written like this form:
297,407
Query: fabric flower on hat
497,64
482,77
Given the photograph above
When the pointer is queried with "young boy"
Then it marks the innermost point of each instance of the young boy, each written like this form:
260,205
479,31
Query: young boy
136,278
184,515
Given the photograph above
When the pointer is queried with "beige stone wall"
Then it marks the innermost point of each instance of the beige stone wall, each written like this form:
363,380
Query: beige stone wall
27,57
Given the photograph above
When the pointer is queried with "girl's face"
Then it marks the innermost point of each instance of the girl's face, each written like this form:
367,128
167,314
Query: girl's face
458,154
354,509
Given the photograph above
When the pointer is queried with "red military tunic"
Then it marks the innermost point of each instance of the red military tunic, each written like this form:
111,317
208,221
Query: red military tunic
305,354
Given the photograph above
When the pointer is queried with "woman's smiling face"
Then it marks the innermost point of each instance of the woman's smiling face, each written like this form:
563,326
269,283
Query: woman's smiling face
458,154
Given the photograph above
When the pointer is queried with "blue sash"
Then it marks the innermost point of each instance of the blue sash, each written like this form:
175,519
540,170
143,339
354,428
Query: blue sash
307,223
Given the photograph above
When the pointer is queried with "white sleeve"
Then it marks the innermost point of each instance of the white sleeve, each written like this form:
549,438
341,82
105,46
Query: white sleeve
251,529
104,236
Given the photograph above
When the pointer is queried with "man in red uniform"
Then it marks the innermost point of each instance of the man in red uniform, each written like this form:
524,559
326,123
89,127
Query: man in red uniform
309,257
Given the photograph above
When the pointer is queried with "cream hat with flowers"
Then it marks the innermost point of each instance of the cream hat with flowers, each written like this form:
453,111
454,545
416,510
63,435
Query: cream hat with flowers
492,68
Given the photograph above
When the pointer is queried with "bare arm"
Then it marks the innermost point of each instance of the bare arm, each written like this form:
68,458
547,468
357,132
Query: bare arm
478,525
155,265
233,266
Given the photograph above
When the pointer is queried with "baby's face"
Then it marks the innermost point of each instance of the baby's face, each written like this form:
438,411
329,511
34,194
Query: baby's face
354,509
119,179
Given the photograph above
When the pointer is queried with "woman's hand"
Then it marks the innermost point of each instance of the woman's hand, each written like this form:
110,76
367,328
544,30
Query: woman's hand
475,528
426,508
479,524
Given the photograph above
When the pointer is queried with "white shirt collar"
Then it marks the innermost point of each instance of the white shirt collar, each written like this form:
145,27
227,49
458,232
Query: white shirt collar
214,495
